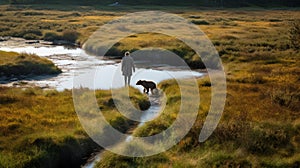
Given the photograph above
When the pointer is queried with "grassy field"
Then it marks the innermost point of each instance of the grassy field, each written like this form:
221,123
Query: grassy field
41,129
260,126
238,34
14,64
256,130
260,123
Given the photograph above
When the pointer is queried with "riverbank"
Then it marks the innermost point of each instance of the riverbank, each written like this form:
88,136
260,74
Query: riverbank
32,135
17,66
75,63
253,131
148,114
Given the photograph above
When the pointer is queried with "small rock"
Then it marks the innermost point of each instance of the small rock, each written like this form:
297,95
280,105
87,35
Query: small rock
45,87
23,83
15,84
32,41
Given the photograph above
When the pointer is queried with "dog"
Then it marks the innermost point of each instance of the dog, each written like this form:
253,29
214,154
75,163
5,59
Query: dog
147,85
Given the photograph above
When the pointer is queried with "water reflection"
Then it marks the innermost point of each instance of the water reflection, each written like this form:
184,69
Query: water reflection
74,61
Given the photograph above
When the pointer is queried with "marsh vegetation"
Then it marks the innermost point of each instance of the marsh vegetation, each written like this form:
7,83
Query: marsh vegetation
260,126
16,65
40,128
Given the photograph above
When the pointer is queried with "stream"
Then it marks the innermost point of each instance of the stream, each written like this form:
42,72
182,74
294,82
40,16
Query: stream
151,113
75,62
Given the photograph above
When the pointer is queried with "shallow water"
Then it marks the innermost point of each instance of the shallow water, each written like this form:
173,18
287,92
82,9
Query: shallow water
75,62
157,104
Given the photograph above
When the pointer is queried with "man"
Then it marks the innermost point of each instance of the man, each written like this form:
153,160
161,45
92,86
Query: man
127,67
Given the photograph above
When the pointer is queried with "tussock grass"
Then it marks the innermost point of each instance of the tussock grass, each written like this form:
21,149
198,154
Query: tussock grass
254,131
260,123
14,64
256,128
35,132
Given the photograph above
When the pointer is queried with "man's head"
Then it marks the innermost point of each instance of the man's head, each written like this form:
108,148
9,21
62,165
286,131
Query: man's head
127,53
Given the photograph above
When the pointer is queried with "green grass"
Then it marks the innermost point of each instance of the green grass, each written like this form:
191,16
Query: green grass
14,65
239,35
260,123
254,131
37,133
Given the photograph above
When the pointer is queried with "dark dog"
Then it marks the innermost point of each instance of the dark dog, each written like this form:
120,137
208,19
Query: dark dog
147,85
